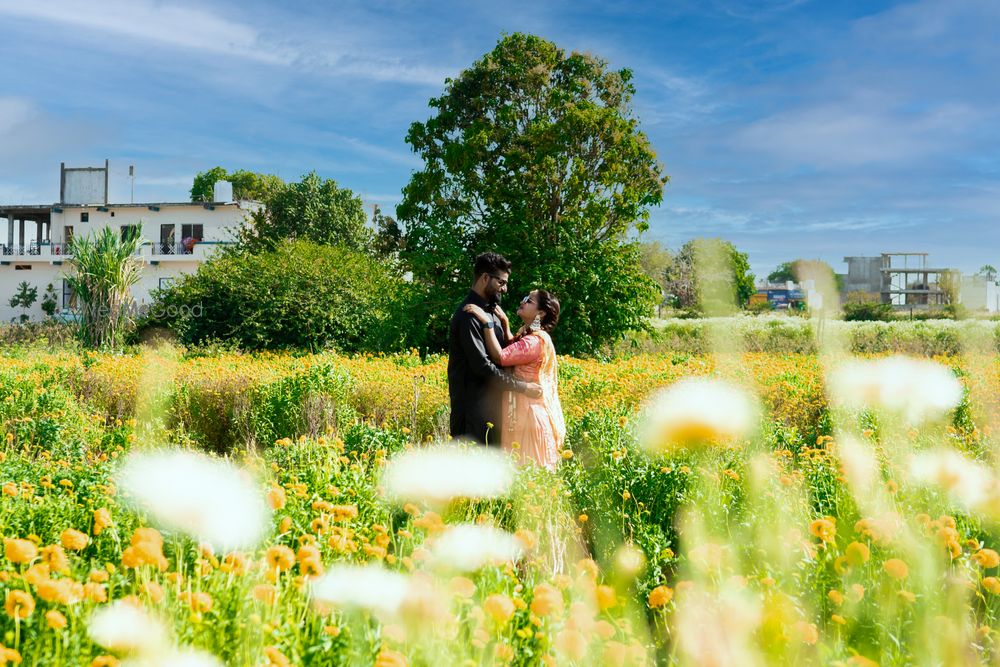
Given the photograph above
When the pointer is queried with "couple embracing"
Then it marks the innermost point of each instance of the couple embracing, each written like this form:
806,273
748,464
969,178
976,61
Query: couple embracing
502,384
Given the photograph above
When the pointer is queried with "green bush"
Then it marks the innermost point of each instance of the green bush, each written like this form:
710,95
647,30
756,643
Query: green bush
868,311
302,295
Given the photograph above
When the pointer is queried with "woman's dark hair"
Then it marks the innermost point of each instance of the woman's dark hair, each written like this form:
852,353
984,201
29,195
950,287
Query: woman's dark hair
549,305
492,263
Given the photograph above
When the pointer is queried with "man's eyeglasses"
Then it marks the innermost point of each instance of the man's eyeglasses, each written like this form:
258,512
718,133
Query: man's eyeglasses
501,281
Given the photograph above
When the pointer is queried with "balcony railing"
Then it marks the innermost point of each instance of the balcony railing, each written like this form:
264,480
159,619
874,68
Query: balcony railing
62,250
164,248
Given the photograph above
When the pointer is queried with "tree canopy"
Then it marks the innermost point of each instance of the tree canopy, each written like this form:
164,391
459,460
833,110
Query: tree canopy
246,184
536,154
313,209
710,267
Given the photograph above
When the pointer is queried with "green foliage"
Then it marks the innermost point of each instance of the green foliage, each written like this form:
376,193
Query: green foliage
24,298
535,153
105,268
246,184
690,278
50,301
314,209
783,273
300,295
868,311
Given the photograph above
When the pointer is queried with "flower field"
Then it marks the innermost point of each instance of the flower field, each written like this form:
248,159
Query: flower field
765,509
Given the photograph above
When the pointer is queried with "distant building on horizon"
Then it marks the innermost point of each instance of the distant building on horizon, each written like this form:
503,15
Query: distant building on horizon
178,236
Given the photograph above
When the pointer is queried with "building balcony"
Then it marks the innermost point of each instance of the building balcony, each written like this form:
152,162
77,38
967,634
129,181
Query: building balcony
148,251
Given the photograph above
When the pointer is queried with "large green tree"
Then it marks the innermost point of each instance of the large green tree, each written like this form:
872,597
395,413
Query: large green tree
313,209
246,184
536,154
710,268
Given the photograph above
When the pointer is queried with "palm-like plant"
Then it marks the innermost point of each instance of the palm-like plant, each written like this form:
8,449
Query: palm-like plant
106,267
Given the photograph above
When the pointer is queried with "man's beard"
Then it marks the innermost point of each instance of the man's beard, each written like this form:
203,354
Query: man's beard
493,302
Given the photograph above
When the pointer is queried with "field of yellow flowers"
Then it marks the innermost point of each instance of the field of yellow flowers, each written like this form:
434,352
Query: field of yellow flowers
275,509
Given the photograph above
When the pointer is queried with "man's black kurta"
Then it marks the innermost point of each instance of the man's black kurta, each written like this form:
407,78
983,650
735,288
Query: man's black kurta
475,383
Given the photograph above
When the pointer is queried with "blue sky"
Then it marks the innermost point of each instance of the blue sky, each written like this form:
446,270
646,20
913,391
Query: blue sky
792,128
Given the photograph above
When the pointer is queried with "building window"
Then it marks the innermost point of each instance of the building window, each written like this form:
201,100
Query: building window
168,239
68,295
22,267
85,217
166,282
191,234
112,214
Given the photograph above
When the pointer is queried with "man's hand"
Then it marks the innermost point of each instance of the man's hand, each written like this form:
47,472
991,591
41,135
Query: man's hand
533,390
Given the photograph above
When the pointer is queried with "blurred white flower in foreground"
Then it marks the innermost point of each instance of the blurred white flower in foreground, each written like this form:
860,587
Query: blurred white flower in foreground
695,412
968,483
917,389
367,587
126,628
209,499
440,473
177,658
469,547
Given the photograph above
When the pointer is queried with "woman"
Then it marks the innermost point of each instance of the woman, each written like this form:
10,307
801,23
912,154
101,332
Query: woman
533,427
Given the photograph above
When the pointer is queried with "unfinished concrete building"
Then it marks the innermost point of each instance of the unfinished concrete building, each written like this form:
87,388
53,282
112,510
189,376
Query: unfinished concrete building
902,279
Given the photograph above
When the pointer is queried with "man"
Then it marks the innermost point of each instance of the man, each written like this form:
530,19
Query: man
475,383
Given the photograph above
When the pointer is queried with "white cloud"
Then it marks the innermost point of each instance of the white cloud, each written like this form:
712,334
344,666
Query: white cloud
180,27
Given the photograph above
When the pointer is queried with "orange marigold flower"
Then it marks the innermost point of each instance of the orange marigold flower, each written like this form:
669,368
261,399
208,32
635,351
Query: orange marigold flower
992,584
55,619
279,557
276,498
986,558
73,539
606,597
104,661
547,600
896,568
19,551
95,592
265,593
824,529
659,597
389,658
55,557
276,658
102,520
19,604
499,607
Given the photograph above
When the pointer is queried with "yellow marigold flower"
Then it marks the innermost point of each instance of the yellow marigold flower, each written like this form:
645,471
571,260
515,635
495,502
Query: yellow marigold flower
55,557
19,551
265,593
838,619
280,558
659,597
527,539
463,587
908,596
836,597
276,658
19,604
824,529
389,658
61,591
73,539
606,597
285,524
986,558
234,563
37,573
992,584
583,518
276,497
10,488
10,655
102,520
567,454
547,600
95,592
587,568
499,607
572,643
861,661
896,568
857,553
153,591
200,602
55,619
104,661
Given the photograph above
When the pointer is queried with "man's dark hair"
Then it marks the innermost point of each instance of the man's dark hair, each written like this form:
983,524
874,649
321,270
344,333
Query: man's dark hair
492,263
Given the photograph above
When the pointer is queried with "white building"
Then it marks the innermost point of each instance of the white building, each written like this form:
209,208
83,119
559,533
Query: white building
980,293
177,237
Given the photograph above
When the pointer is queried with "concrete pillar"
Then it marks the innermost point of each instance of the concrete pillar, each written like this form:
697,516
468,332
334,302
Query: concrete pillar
20,235
38,232
10,230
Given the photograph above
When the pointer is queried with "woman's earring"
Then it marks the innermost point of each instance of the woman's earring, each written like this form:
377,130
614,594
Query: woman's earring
537,324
